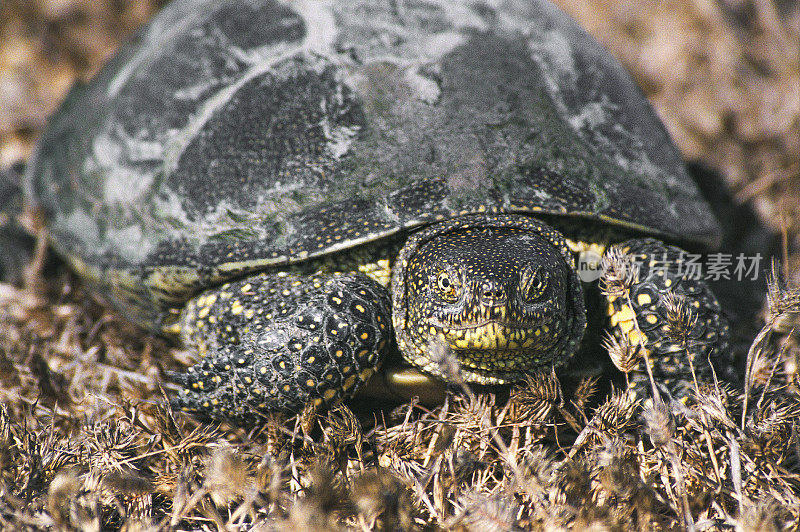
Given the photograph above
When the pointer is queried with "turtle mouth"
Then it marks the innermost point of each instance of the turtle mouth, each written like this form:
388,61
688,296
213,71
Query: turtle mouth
495,335
442,326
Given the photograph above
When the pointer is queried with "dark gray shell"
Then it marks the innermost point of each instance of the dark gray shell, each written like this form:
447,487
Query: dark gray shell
232,135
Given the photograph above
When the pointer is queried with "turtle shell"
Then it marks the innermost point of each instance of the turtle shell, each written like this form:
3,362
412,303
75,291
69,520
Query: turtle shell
234,135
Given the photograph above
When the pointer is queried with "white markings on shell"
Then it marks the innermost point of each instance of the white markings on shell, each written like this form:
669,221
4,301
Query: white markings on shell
422,88
173,20
116,154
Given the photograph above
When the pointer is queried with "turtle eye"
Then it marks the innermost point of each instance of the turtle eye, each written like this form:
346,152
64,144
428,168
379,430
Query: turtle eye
534,283
446,286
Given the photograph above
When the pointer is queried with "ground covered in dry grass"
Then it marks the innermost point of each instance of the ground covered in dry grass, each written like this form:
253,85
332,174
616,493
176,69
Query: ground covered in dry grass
87,440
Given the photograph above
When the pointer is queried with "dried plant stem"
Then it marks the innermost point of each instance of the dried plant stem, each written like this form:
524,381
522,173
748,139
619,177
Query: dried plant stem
680,485
643,347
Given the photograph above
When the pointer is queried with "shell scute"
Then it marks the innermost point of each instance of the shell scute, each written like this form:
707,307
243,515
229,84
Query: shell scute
232,136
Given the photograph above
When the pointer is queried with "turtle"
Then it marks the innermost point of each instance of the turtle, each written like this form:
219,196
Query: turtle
297,190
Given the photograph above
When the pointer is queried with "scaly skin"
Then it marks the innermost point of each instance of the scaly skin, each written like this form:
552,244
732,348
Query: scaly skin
500,292
677,357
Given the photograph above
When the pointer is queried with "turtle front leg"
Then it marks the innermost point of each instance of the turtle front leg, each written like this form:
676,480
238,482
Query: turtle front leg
661,311
276,342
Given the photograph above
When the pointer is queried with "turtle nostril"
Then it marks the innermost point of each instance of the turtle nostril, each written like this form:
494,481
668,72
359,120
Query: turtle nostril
492,294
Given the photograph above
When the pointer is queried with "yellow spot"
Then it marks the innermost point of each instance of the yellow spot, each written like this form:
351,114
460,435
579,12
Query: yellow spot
351,380
236,307
651,319
364,336
360,308
667,282
644,299
210,299
247,288
635,337
263,370
203,312
310,383
366,374
624,314
626,326
329,394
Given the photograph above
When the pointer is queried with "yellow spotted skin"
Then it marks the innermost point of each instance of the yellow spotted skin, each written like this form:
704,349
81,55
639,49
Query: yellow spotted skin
278,341
499,292
706,334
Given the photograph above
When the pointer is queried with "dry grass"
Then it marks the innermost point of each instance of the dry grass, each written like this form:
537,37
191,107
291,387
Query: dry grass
86,441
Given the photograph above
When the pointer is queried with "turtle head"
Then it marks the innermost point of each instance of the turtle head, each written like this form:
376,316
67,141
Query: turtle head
499,292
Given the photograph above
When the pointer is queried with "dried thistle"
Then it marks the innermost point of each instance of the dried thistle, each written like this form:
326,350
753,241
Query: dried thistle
782,302
624,356
659,422
109,445
71,506
342,432
617,414
782,299
537,468
717,403
132,490
487,512
535,399
586,389
226,476
320,508
574,479
770,426
619,469
620,272
760,516
384,500
680,319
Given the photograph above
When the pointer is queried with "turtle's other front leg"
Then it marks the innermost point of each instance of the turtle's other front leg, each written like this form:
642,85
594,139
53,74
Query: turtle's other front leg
651,293
276,342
